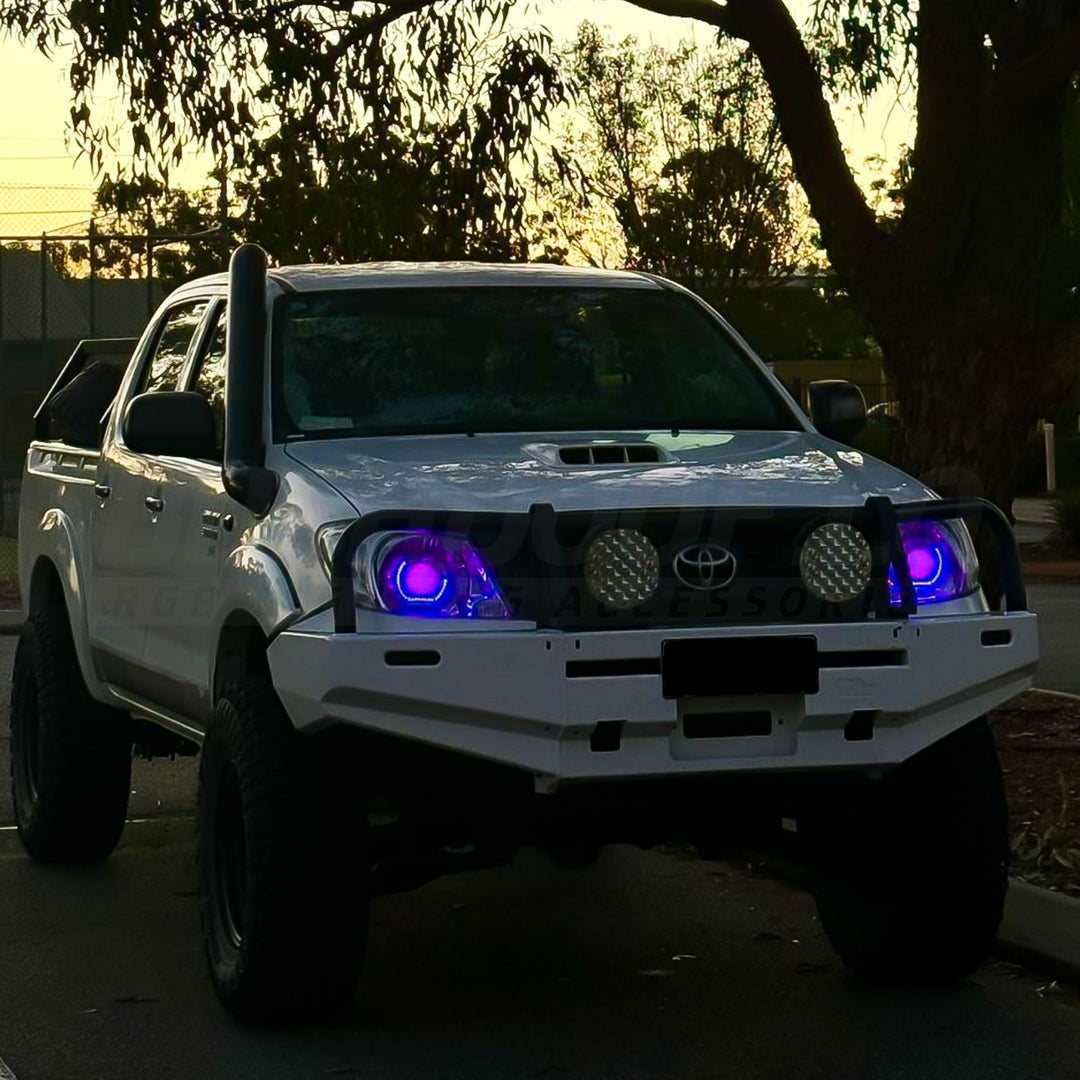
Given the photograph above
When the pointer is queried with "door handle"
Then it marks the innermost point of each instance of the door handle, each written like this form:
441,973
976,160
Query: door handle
154,504
102,491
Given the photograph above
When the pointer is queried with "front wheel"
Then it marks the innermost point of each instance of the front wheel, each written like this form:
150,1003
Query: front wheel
909,872
283,876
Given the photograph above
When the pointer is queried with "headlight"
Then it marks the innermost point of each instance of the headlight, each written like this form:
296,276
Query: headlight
941,559
430,574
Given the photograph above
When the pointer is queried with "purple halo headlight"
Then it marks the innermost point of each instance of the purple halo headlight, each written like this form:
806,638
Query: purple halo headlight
941,560
430,574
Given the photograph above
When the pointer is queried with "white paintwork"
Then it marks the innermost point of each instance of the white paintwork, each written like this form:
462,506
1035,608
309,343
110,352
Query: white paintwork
149,593
502,473
186,575
413,275
53,475
508,698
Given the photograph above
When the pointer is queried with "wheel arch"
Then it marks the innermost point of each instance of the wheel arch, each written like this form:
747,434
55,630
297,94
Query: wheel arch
55,579
241,649
257,599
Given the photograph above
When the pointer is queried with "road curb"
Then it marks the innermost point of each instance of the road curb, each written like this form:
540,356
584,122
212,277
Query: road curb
1042,930
1056,693
11,622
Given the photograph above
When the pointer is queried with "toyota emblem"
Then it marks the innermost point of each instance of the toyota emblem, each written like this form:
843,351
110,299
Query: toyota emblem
704,567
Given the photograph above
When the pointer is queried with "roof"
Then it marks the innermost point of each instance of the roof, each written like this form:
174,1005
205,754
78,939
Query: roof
382,275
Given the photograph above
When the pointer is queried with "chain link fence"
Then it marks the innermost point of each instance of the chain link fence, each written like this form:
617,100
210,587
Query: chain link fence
56,290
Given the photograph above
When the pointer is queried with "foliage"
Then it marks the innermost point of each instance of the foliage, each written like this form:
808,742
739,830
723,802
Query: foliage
142,204
1067,509
864,44
682,166
441,182
802,320
957,286
435,177
211,73
354,131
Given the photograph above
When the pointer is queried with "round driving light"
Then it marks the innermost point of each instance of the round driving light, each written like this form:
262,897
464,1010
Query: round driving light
622,568
835,562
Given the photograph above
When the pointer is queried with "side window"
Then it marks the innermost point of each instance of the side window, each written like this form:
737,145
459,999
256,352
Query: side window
209,379
170,351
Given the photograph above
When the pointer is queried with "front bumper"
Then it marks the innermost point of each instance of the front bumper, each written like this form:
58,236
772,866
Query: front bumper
533,698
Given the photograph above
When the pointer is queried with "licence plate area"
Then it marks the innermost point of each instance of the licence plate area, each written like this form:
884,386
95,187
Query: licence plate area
739,667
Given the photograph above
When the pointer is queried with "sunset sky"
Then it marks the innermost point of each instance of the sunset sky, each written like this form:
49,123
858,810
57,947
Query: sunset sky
33,154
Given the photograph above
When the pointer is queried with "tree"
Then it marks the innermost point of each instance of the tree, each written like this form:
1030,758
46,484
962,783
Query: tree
682,153
146,207
955,289
433,174
438,181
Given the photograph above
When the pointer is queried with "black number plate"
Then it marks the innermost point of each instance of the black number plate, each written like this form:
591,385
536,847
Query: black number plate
732,667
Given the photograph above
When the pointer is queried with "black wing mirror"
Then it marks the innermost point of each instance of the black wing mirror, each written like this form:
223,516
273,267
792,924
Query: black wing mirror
837,408
178,423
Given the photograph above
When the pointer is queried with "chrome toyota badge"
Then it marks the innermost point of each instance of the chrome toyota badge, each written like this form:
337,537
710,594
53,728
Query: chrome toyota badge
704,567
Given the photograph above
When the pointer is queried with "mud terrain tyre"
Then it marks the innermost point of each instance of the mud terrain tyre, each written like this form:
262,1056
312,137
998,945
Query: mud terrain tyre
282,858
70,755
909,872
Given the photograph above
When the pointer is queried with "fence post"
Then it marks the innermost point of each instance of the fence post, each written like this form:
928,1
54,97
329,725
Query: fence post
3,399
44,300
93,279
149,276
1051,464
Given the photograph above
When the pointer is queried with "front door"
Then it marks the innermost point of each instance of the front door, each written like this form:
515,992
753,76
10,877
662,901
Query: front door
201,522
127,541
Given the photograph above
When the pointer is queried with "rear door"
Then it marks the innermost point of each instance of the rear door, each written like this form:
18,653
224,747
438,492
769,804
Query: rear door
127,544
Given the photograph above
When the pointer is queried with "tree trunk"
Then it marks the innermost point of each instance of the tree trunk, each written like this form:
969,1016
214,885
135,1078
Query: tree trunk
965,419
965,336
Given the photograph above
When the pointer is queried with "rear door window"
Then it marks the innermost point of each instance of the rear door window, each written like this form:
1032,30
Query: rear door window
209,375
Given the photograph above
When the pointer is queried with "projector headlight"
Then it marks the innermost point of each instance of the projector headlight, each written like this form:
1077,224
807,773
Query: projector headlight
941,560
427,574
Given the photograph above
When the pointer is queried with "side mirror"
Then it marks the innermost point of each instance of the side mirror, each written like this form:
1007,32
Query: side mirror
178,423
837,408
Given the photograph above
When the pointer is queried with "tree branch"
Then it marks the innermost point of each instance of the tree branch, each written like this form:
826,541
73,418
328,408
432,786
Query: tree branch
367,26
855,244
954,73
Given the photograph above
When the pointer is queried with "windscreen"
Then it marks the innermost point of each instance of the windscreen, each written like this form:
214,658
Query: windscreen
534,358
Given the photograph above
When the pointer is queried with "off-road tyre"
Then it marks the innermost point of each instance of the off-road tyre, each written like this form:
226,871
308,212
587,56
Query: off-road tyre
909,872
70,756
284,878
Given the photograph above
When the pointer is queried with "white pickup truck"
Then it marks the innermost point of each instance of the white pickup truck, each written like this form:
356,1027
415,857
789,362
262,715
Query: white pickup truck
436,561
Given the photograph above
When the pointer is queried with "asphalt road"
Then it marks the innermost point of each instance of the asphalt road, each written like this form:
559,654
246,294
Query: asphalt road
649,965
1058,607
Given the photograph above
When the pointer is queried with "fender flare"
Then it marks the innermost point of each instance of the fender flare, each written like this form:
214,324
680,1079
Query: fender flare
256,585
55,543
